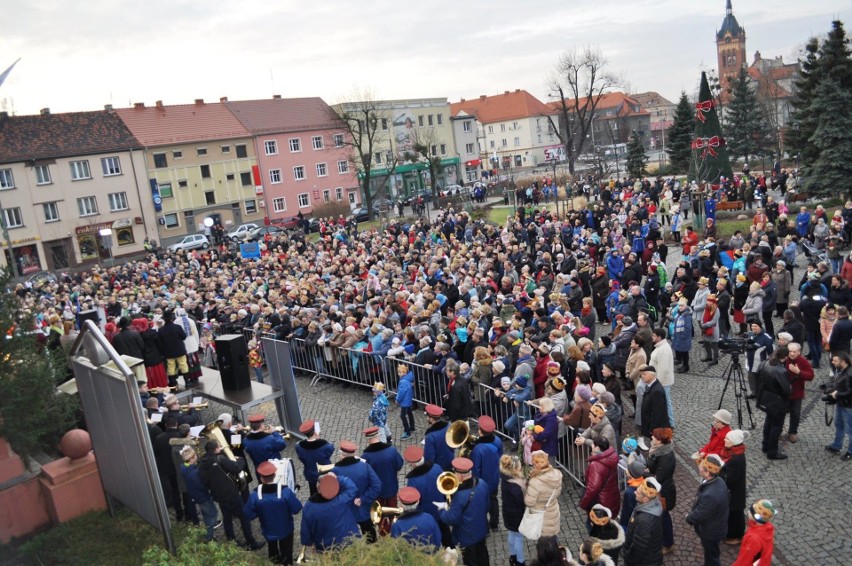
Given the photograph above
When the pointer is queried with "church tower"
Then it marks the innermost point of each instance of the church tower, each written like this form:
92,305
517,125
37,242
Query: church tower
730,50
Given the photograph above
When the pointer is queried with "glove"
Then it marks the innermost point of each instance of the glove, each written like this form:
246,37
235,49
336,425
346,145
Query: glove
441,505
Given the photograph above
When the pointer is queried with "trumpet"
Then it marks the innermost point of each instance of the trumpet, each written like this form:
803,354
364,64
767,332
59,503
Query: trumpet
448,484
458,437
190,406
377,512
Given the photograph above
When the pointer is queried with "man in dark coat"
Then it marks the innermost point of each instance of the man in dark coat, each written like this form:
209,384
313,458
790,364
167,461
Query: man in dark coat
386,462
643,541
327,517
128,342
275,505
414,524
424,477
466,514
485,456
165,465
459,403
654,409
313,451
709,515
367,483
173,349
723,303
262,443
435,448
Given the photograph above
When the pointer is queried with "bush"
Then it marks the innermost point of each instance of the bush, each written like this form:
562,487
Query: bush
195,551
333,209
385,552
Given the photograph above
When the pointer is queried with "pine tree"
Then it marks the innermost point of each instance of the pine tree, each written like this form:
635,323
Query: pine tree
636,158
679,136
802,119
746,131
831,171
709,154
835,58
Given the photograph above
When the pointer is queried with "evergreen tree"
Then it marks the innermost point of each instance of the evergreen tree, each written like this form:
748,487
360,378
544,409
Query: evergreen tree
835,59
636,158
747,134
832,170
802,120
709,154
679,136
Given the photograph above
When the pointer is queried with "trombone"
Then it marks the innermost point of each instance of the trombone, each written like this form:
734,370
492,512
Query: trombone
448,484
458,438
377,512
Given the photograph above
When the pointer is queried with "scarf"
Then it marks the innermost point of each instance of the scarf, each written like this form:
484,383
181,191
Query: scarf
586,311
727,453
660,449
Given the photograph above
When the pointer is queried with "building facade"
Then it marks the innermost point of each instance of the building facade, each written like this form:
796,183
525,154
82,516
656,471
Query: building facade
73,190
661,112
302,157
466,136
730,51
200,163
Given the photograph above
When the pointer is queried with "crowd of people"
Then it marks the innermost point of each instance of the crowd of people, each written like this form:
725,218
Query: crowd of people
571,323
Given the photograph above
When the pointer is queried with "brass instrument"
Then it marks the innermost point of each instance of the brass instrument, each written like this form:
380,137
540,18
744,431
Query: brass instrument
189,407
301,558
214,432
279,429
448,484
458,438
377,512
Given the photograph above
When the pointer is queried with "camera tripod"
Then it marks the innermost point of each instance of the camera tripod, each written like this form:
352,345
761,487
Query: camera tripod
735,371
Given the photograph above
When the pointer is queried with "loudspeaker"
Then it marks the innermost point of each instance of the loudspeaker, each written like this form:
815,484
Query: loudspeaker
83,316
232,356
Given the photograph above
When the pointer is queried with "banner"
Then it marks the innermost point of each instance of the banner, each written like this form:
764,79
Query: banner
155,192
251,250
258,184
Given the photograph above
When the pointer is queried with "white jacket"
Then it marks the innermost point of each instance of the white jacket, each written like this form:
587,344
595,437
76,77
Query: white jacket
663,361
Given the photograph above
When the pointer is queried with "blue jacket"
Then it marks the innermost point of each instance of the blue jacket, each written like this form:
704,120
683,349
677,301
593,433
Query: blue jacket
263,446
615,266
405,390
709,515
468,512
710,209
366,481
681,330
486,460
313,452
417,527
275,513
425,479
194,484
386,462
435,447
803,220
549,436
327,523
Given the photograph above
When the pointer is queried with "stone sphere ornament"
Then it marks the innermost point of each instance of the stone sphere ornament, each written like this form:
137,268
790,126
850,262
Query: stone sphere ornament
76,444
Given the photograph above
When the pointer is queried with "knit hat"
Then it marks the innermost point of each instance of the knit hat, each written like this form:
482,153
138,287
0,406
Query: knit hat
763,511
505,380
583,392
521,381
598,388
713,463
498,366
607,398
636,469
735,437
629,445
600,515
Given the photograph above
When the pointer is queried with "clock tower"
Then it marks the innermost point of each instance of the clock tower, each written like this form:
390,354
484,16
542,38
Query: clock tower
730,51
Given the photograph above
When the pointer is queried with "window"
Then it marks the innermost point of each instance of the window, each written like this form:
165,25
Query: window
304,200
343,166
80,170
468,148
420,120
241,150
326,195
466,126
13,217
339,193
201,151
279,204
117,201
316,142
226,149
517,141
7,181
230,177
205,172
502,127
111,166
160,160
299,173
385,124
322,170
43,175
51,211
210,197
295,145
275,176
377,160
245,179
431,119
491,144
166,189
251,206
505,143
434,149
171,220
271,147
490,129
338,140
175,155
88,206
443,147
514,125
440,119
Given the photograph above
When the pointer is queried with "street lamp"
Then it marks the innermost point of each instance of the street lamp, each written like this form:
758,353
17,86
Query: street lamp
662,123
106,241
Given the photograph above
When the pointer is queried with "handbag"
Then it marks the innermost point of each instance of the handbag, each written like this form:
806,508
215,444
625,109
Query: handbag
770,402
533,521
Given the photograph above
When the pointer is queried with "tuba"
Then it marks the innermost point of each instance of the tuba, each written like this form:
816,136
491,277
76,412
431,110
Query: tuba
377,512
448,484
458,438
214,432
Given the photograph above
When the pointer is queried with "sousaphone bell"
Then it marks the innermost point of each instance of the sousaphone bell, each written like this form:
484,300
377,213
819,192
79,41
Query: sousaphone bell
458,438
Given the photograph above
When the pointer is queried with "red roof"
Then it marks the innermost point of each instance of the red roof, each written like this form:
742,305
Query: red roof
169,125
608,100
284,115
502,107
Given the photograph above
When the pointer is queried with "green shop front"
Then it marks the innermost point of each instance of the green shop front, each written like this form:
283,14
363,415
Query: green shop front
409,178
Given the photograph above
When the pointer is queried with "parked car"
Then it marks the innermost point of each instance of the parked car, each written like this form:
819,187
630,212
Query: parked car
261,232
383,204
191,242
41,278
361,214
452,190
425,193
287,222
313,224
241,231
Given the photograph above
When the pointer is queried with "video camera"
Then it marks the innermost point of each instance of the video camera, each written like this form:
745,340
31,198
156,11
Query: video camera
739,345
827,390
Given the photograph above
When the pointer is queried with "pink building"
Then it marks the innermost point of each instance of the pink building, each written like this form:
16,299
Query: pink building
299,143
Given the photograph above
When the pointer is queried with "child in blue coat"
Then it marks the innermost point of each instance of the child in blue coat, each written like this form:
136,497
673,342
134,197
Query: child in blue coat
405,399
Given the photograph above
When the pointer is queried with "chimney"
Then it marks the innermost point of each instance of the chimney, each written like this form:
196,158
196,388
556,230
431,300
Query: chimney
138,105
159,104
756,56
45,111
482,97
108,107
462,99
199,101
223,99
517,90
276,97
506,92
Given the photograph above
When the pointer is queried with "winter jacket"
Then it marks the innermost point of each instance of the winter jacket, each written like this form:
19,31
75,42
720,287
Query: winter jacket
459,403
327,523
172,338
386,462
405,390
611,539
275,512
512,494
709,515
486,460
797,382
759,540
783,285
654,409
643,541
699,303
661,464
841,335
770,296
129,343
682,329
716,444
602,482
663,361
367,484
601,430
734,474
711,325
542,486
548,438
622,344
467,514
753,307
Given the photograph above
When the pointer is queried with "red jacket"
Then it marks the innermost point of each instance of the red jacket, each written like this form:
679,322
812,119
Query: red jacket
540,376
602,482
846,272
758,539
717,441
689,239
797,382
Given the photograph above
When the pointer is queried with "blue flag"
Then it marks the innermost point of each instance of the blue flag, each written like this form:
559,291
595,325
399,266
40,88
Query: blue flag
7,71
250,250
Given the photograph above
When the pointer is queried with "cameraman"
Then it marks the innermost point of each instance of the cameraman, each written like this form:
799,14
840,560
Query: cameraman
799,370
758,350
840,394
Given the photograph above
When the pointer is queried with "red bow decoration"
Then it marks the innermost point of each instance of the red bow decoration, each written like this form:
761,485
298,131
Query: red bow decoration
708,145
703,108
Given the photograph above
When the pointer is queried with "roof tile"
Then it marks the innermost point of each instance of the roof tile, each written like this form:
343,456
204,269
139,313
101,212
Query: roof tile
183,123
502,107
284,115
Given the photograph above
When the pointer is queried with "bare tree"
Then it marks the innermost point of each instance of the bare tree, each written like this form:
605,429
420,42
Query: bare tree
773,96
578,82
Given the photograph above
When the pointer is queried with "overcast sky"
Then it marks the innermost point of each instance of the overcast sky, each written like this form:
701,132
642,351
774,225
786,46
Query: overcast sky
82,55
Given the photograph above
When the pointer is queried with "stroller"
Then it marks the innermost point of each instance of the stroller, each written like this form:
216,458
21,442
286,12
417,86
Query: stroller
812,253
